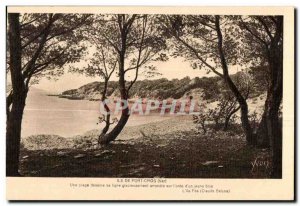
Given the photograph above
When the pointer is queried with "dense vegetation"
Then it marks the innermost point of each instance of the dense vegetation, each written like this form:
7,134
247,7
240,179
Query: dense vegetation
210,87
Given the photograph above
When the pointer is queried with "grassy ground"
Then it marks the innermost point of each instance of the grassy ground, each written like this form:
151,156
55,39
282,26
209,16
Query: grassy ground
179,154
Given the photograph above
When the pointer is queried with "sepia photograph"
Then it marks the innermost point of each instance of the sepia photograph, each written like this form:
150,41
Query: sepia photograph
146,95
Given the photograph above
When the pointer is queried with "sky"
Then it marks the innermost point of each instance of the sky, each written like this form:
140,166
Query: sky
173,68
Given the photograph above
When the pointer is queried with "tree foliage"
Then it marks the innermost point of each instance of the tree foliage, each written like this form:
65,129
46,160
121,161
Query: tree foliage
39,45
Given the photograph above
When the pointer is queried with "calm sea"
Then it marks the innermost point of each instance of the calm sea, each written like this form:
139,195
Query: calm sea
52,115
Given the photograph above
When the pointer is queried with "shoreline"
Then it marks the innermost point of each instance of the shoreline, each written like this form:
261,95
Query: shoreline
170,154
175,124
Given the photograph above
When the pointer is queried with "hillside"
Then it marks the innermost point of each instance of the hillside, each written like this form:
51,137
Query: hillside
206,88
157,89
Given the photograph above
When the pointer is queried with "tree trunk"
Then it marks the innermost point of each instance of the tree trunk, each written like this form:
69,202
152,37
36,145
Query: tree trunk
262,137
226,123
13,135
107,115
241,100
107,124
228,117
112,135
246,124
270,118
269,133
15,114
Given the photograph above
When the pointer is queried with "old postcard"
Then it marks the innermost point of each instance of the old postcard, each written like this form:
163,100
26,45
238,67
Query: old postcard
150,103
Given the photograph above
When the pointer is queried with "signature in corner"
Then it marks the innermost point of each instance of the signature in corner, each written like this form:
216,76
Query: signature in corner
259,163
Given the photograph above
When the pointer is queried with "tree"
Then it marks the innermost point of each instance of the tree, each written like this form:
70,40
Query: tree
244,83
201,40
39,46
103,64
13,130
224,113
215,43
135,40
264,35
